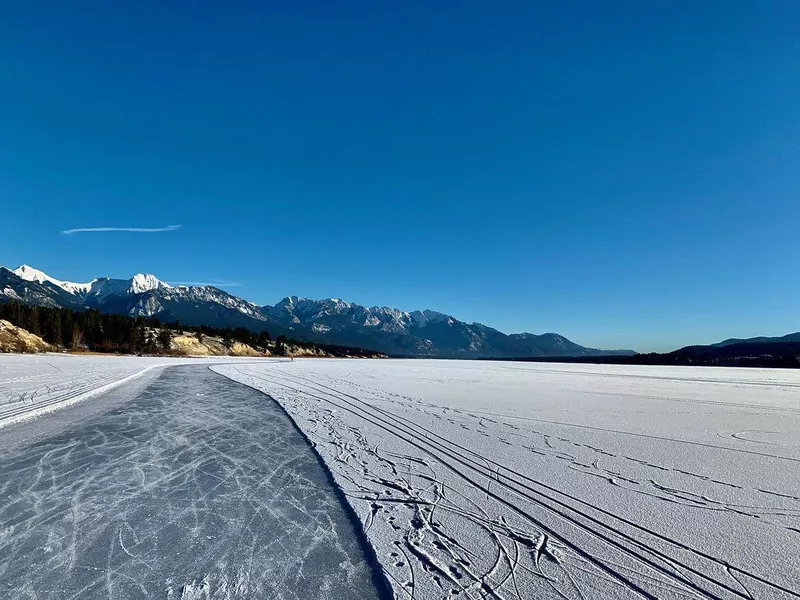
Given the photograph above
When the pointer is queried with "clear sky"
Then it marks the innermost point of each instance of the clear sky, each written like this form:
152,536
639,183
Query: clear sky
623,173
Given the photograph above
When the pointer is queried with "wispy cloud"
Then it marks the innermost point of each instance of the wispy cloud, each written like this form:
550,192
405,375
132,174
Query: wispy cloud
121,229
219,284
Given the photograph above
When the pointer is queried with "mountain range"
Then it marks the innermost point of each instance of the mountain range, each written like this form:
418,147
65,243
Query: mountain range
333,321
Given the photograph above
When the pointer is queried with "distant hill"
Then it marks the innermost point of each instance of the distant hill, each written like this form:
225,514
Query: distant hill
750,353
553,344
790,337
748,350
328,321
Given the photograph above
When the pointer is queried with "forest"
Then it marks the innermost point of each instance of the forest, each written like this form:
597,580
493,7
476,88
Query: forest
102,332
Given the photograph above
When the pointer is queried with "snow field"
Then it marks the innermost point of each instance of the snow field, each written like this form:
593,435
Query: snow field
523,480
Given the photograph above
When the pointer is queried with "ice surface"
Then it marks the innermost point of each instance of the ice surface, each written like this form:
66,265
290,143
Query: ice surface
520,480
195,488
31,385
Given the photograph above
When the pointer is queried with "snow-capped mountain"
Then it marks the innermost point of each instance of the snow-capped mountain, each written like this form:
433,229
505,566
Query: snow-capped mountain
96,288
30,274
138,284
397,332
193,305
143,295
336,314
417,333
36,290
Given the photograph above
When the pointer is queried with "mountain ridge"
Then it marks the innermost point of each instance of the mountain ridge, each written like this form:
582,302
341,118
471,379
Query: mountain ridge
789,337
331,320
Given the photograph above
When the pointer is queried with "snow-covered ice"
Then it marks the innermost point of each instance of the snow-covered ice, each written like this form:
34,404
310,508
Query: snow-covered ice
521,480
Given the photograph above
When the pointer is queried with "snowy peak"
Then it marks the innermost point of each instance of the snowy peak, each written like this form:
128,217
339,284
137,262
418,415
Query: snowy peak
432,316
144,282
96,288
425,317
138,284
28,273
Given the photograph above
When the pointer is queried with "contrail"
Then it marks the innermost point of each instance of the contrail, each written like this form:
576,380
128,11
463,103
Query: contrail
123,229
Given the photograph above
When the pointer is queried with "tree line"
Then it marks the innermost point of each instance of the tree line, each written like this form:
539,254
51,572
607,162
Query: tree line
104,332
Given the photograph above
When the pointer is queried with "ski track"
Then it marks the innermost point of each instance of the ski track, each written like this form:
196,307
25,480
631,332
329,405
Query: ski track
509,480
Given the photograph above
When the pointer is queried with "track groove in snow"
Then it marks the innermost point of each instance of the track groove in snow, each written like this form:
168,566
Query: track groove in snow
458,501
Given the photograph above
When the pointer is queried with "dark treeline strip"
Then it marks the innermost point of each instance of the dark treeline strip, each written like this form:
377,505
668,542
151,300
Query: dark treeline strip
102,332
784,355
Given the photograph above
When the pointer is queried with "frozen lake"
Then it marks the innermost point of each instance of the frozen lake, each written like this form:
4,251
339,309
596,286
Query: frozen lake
466,480
194,487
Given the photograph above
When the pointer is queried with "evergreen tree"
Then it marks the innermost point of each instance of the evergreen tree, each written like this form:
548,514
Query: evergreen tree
78,339
165,338
263,339
280,345
150,341
227,337
138,336
33,324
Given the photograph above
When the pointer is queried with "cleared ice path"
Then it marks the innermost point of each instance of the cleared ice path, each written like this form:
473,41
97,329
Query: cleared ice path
197,487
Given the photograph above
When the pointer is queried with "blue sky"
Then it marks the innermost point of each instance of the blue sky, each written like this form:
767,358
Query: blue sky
623,173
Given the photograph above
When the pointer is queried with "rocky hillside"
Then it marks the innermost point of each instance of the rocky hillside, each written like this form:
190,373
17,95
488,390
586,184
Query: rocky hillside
181,343
16,339
187,343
